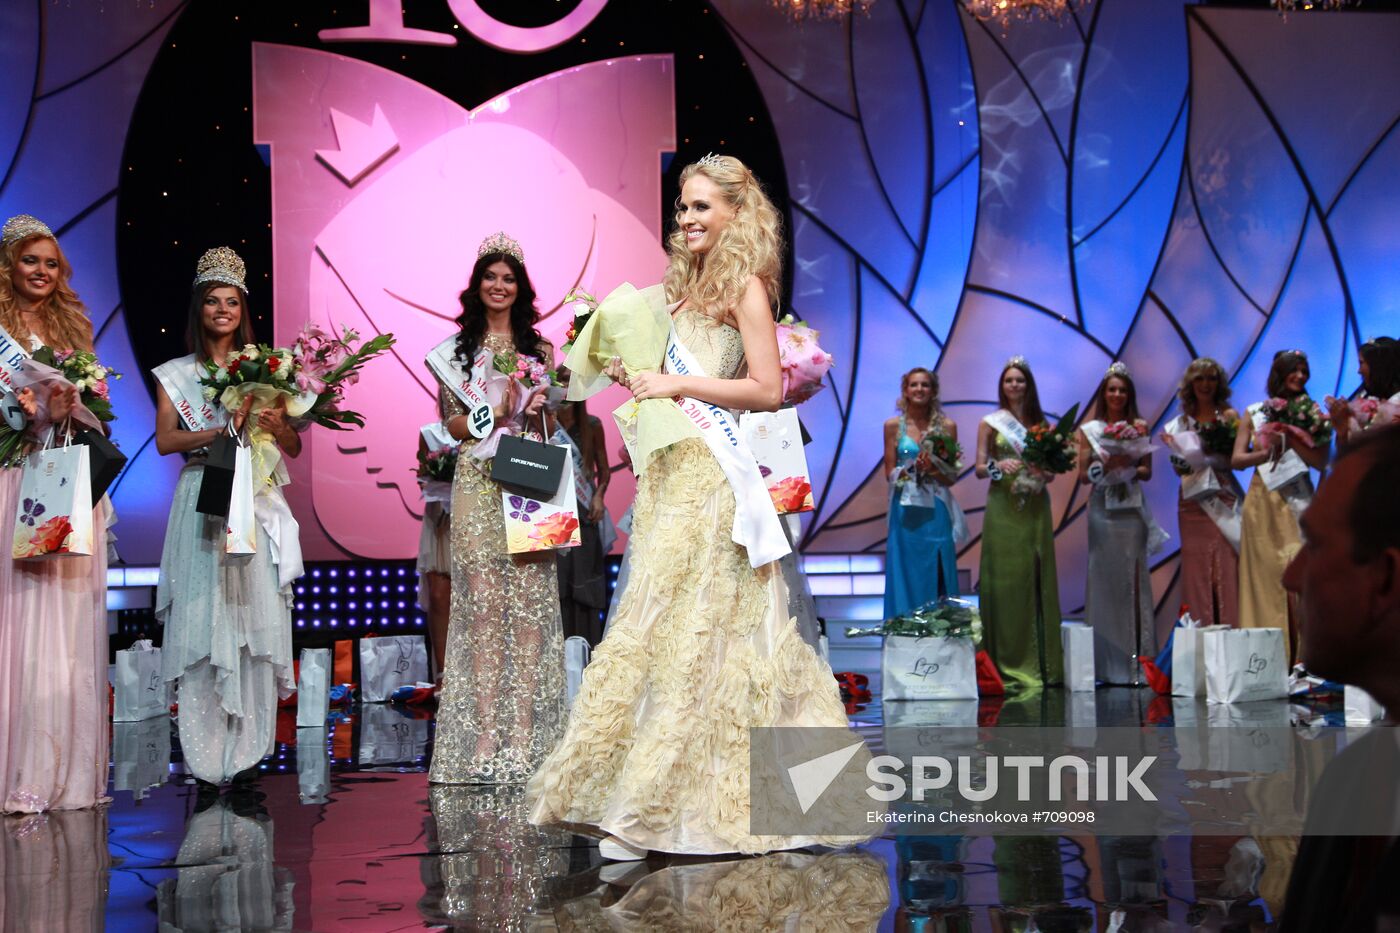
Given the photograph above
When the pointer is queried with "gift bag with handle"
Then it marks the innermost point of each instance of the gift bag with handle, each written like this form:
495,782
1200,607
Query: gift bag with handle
53,513
1077,642
241,531
1244,664
138,690
928,668
388,663
1188,661
313,687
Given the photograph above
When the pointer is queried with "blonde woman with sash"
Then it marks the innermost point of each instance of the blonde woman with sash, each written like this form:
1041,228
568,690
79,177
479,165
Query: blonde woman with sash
701,648
1281,489
228,619
1208,512
501,707
53,613
1017,588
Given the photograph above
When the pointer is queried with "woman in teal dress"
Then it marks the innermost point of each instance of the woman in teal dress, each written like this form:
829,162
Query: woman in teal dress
1019,595
921,560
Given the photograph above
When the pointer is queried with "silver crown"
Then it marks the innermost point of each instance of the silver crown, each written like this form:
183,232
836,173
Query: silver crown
710,158
1118,368
23,226
1019,361
500,242
221,264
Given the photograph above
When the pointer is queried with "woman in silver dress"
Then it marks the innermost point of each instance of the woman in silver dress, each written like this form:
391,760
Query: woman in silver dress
502,703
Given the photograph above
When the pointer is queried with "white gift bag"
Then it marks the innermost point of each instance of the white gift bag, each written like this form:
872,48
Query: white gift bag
1244,664
388,663
543,524
140,755
138,691
1361,708
387,737
576,654
314,687
241,532
53,513
1077,641
775,440
1188,664
930,668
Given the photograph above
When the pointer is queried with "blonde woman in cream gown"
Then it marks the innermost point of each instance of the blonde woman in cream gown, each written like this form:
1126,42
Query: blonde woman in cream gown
656,750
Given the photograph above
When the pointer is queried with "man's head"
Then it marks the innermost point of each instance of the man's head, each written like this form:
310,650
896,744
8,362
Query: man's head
1347,574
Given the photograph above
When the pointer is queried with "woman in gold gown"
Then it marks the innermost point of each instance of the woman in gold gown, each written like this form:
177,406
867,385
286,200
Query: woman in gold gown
701,649
502,703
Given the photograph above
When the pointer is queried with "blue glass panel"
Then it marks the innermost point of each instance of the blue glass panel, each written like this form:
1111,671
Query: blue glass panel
940,284
19,24
1363,224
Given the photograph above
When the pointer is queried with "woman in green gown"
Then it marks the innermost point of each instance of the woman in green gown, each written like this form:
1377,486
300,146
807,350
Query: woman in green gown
1020,599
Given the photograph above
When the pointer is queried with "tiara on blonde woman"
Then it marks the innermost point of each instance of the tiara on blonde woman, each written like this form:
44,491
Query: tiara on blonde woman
709,159
23,226
221,264
501,242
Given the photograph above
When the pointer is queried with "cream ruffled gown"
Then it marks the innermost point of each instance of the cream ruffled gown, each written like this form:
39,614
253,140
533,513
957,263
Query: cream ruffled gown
656,751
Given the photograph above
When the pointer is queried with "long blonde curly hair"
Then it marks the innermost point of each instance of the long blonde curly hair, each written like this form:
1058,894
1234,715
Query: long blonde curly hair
64,315
751,244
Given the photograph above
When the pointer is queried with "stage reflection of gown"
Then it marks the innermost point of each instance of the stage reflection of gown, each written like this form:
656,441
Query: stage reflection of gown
54,870
227,879
502,702
781,891
494,870
701,649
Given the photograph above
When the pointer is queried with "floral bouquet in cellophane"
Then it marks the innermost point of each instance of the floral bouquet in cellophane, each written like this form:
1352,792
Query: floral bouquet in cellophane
49,367
435,472
1370,412
945,617
1299,417
804,364
1130,439
633,326
1047,452
938,453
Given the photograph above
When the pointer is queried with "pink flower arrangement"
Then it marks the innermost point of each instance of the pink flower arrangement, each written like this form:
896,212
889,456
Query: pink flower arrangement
1126,430
1299,417
804,363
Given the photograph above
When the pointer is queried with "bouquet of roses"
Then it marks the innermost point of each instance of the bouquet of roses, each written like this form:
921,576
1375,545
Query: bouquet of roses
1047,452
804,364
1218,436
436,470
47,368
584,307
937,452
1369,412
945,617
529,371
1299,417
1130,439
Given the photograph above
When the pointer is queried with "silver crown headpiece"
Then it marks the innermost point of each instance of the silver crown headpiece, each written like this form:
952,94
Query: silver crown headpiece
23,226
1118,368
710,159
221,264
501,242
1019,361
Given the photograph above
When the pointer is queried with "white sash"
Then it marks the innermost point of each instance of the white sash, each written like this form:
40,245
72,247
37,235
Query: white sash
1288,476
756,524
1008,427
469,387
12,353
180,379
1227,518
1128,492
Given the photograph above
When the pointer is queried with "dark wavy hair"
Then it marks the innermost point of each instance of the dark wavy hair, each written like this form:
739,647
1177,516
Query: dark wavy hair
1034,413
1285,362
523,314
194,330
1382,355
1099,404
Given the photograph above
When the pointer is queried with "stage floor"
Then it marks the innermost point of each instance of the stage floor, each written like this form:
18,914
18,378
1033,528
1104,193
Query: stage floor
343,832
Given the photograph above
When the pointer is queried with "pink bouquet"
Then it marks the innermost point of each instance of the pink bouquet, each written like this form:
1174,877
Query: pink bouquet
804,364
1300,418
1369,412
1126,431
325,364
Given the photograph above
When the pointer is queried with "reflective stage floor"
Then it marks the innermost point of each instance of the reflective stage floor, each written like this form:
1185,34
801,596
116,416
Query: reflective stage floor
343,832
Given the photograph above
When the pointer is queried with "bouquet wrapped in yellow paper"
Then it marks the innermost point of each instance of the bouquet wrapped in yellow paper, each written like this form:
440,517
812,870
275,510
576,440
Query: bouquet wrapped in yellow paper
632,325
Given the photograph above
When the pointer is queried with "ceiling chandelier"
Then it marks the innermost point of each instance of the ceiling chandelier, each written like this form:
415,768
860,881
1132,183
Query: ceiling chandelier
1006,12
822,9
1303,6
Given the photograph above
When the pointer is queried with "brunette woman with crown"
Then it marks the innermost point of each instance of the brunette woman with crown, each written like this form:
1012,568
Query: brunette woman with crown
228,619
53,613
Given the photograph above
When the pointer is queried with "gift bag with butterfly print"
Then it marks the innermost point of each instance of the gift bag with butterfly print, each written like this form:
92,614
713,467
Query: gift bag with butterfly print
542,524
928,668
53,516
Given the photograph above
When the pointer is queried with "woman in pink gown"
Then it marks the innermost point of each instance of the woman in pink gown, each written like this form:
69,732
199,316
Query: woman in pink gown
53,613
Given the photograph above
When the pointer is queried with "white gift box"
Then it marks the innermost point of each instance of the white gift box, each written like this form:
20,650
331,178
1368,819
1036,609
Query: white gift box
313,687
775,440
1077,641
930,668
1244,664
1188,664
138,690
388,663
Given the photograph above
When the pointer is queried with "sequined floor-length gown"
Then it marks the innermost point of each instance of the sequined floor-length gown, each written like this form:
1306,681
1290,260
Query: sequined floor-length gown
701,649
1018,590
1210,567
921,563
501,708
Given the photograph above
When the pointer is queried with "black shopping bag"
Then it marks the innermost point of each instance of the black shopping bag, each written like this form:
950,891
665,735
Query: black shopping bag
528,466
105,460
216,488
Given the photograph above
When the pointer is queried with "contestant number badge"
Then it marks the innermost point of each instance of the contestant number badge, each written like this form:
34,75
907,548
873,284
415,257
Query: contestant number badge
12,412
480,421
